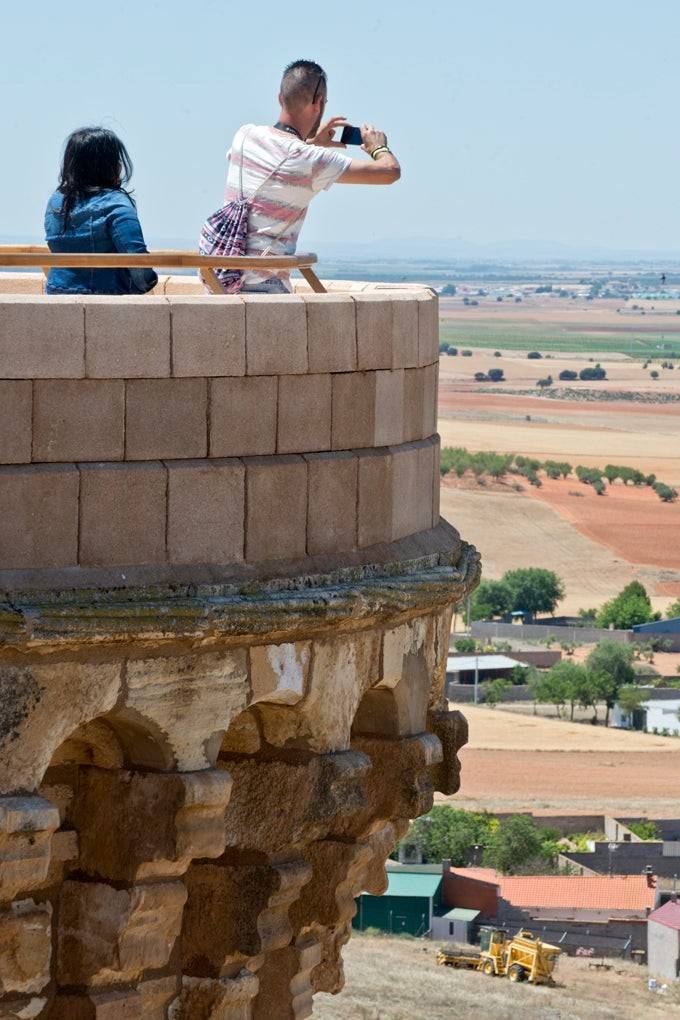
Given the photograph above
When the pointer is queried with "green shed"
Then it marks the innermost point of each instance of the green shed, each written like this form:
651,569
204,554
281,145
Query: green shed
408,905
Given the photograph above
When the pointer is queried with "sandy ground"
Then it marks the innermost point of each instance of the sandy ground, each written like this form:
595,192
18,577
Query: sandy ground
496,729
512,530
398,979
522,762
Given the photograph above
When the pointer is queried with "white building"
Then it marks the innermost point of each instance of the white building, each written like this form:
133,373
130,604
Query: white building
659,712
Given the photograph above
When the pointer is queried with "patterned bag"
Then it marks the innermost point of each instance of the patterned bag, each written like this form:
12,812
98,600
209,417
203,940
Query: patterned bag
226,231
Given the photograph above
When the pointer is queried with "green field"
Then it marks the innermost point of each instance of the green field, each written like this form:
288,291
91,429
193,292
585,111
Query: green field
526,336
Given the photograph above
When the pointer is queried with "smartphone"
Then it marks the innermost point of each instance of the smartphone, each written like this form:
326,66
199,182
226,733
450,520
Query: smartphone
351,135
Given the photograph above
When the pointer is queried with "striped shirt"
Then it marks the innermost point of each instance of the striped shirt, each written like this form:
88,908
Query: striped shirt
281,175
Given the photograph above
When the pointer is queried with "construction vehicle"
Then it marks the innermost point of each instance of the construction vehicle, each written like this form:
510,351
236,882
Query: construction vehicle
520,957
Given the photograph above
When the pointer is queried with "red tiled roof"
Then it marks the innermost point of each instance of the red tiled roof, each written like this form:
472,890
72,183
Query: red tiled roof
668,914
569,892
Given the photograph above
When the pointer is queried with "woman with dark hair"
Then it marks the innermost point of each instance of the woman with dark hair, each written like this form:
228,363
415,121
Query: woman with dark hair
92,212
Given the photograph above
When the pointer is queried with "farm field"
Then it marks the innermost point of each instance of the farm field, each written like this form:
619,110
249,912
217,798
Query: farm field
398,979
552,324
570,767
597,544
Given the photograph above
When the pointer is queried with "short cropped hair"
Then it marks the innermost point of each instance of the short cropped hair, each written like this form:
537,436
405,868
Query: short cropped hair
301,83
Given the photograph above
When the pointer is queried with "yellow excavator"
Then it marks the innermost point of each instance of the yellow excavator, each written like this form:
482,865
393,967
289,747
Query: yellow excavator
521,957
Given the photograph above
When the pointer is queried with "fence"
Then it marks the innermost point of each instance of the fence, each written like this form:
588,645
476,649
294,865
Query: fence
539,631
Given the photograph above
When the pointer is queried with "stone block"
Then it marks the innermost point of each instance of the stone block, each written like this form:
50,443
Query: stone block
27,825
331,332
406,498
166,418
430,395
23,1009
208,336
397,706
25,947
42,337
211,999
42,706
414,404
113,1004
190,700
279,673
39,514
332,507
399,784
353,423
238,910
451,729
122,514
127,338
436,488
206,511
428,329
328,899
78,419
375,497
389,408
276,501
304,413
16,402
404,330
150,1000
135,825
428,468
374,331
285,981
108,936
343,669
276,334
243,416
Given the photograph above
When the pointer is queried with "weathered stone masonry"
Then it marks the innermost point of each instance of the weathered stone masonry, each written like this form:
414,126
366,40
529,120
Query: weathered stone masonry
225,600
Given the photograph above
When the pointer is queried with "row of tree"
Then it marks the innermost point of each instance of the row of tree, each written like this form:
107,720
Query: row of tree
497,465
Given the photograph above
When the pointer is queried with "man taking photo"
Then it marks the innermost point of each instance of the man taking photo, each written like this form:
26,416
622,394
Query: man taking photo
279,169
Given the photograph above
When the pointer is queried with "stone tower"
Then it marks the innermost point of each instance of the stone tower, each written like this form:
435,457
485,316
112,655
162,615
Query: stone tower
225,600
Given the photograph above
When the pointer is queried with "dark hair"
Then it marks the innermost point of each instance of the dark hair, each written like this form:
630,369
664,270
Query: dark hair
94,158
301,83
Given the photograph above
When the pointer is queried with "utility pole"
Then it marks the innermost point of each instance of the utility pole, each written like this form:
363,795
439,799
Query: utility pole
476,678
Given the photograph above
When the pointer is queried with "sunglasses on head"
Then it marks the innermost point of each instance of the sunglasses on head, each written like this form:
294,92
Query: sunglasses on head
321,81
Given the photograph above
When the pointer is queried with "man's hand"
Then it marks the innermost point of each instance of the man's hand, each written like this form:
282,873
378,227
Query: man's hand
371,138
326,133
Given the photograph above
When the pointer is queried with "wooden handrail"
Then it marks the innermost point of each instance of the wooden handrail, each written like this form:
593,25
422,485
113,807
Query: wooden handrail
41,257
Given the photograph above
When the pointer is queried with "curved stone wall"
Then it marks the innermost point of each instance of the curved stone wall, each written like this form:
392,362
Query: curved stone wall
209,430
225,605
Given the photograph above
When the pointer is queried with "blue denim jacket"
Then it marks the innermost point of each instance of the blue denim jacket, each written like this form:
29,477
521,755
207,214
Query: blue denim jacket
105,221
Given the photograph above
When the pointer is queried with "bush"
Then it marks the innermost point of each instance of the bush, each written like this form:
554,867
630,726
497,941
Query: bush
654,374
631,606
494,691
496,375
466,645
599,486
481,377
466,354
452,351
534,355
567,374
597,372
497,354
666,493
544,383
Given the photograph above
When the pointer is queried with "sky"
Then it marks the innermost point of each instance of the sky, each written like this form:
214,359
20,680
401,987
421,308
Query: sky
520,120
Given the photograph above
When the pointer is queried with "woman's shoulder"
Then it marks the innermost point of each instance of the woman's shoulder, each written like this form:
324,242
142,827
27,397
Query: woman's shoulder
54,202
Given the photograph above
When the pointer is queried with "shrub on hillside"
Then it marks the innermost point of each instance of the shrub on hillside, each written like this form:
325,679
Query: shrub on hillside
496,375
666,493
497,354
481,377
452,351
596,372
568,374
466,354
534,355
